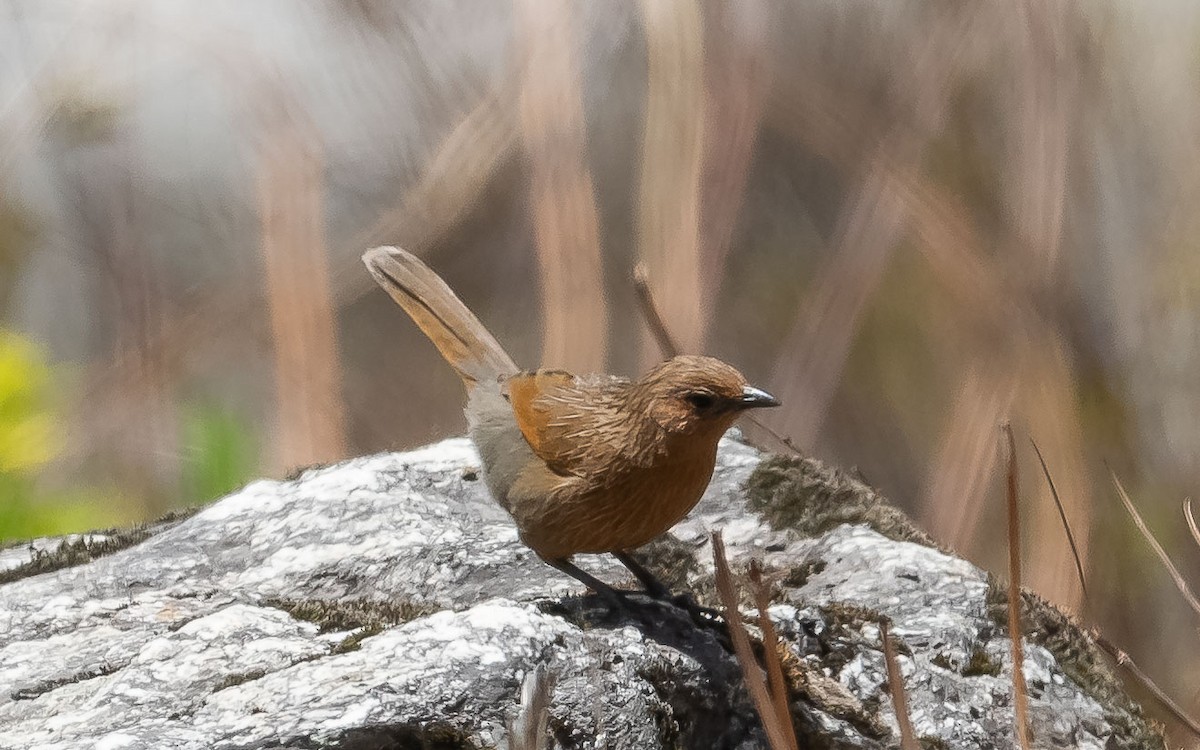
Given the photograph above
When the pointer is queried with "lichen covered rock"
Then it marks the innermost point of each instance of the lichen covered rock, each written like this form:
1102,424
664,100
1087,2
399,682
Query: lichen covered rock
386,602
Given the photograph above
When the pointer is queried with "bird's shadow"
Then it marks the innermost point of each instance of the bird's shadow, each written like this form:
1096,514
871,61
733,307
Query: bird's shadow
704,638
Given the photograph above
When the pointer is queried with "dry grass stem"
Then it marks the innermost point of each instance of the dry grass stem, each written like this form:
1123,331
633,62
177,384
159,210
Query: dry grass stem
1048,400
967,457
779,732
779,694
530,729
870,226
1125,662
1062,514
1184,590
1191,522
668,232
1020,692
311,419
658,329
908,738
736,80
566,226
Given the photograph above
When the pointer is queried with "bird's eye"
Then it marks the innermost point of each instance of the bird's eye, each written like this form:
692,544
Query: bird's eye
700,400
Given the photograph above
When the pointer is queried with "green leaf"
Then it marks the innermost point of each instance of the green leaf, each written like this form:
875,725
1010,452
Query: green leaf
221,453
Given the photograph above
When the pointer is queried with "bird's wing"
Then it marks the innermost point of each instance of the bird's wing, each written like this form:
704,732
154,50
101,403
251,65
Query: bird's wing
573,424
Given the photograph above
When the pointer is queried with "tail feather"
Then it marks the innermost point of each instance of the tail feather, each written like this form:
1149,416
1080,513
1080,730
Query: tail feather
440,314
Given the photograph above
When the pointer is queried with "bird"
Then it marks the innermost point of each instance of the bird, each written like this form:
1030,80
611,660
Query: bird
583,463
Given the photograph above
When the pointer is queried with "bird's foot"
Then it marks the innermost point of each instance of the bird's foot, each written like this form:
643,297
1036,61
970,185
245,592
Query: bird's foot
701,614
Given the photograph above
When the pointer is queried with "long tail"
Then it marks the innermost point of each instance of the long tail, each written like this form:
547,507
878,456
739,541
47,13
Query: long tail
454,330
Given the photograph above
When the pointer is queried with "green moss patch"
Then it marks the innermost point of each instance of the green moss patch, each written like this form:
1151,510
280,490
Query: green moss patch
72,552
45,686
981,664
1081,660
371,614
431,736
670,560
240,678
353,642
806,496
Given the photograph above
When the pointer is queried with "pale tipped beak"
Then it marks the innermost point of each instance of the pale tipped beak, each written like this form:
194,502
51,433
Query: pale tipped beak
753,398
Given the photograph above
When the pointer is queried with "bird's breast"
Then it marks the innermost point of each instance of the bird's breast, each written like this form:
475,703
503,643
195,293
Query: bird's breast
561,516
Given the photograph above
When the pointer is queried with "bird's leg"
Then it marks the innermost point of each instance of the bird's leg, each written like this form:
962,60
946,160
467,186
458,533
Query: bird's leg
606,592
655,588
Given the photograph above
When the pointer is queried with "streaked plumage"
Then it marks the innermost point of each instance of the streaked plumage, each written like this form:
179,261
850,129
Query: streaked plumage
592,463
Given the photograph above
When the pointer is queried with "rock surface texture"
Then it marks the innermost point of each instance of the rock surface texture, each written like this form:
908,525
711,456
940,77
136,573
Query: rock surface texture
386,603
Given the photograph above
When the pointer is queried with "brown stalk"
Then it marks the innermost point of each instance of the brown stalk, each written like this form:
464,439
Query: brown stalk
450,184
908,738
779,733
868,230
1191,522
818,115
967,456
736,82
565,222
1161,553
1020,693
1062,514
779,694
307,371
669,215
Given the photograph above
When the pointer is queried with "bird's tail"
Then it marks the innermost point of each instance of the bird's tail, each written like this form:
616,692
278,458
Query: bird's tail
454,330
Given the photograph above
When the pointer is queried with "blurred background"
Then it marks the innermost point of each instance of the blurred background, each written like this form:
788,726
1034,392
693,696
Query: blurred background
912,220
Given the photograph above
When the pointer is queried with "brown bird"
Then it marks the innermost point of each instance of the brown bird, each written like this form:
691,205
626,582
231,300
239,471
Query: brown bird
593,463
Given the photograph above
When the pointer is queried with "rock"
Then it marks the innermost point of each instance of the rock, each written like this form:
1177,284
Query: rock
386,602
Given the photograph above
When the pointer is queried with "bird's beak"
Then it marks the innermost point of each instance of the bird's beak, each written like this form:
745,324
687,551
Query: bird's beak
756,397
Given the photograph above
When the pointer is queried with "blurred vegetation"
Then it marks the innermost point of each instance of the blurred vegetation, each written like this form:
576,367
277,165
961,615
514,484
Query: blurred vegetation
221,453
912,221
30,440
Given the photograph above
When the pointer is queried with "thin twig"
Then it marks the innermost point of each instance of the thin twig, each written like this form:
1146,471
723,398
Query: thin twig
777,734
762,600
658,329
1062,514
1020,693
1180,583
1191,522
1124,661
908,738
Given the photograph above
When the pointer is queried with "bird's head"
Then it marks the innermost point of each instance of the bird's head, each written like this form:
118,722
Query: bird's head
691,395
